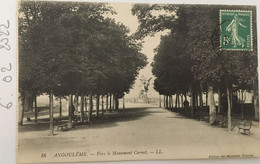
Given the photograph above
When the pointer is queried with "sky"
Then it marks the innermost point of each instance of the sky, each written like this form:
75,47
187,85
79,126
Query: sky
125,16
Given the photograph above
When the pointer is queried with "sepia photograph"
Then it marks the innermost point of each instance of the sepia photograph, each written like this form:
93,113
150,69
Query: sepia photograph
110,81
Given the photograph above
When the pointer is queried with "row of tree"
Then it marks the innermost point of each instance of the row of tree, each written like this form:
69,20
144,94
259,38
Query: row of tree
189,60
72,48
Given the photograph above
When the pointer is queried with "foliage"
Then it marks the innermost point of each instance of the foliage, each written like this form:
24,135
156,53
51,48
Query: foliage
193,39
71,48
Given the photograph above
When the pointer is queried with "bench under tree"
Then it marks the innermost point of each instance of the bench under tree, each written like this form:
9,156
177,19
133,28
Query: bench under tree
245,126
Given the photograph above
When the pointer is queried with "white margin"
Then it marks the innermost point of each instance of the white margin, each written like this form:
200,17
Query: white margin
8,117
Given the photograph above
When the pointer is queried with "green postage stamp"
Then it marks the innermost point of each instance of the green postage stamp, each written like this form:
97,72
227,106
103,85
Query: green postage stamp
236,30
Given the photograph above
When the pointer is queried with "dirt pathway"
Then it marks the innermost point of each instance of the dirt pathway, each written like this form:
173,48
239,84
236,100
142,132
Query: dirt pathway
136,133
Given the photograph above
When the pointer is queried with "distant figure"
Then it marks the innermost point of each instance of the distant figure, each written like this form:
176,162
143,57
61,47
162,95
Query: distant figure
72,110
186,104
29,119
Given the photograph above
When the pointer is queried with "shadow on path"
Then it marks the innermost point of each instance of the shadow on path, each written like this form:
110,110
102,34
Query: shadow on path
103,121
111,119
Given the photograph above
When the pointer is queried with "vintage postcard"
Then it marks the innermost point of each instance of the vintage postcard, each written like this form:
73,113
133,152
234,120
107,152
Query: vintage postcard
105,81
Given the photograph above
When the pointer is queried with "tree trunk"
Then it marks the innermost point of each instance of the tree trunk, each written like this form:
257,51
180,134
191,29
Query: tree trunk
201,96
70,111
195,95
229,107
110,105
238,96
30,101
60,107
22,109
242,105
113,102
76,102
97,105
35,108
164,104
219,100
178,95
160,101
231,99
182,101
102,104
51,114
255,99
212,107
171,101
185,97
191,102
106,103
86,105
176,101
179,100
207,98
90,108
116,102
256,107
124,102
26,101
82,108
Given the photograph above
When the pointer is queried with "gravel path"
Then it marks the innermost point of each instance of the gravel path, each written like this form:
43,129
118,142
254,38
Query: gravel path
135,133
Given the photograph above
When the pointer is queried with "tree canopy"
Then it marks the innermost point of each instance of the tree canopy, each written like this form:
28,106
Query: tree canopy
190,53
69,48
